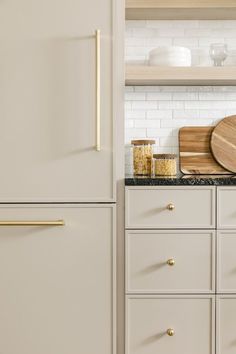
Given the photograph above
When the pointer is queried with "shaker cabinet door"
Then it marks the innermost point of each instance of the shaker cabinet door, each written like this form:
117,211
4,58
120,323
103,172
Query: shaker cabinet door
226,324
170,325
56,288
49,128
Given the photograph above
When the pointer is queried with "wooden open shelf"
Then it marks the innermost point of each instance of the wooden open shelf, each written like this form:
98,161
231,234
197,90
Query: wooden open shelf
180,9
185,76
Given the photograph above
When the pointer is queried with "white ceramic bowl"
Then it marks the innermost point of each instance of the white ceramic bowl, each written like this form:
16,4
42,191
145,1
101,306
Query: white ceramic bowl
170,56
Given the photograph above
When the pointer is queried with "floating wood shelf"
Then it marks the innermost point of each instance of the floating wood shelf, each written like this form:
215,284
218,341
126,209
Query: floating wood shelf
180,9
185,76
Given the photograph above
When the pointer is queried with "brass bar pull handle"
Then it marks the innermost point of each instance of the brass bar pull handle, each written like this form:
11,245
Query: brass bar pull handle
98,89
33,223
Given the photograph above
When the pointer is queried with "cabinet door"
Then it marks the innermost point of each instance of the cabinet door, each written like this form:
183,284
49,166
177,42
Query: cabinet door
170,261
170,324
226,324
226,218
48,122
226,261
56,281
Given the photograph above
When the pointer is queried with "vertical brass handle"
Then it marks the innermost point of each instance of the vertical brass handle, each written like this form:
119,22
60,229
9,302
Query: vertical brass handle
98,89
170,332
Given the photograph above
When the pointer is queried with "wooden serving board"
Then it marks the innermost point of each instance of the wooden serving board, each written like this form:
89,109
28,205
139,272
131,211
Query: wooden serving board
223,143
195,152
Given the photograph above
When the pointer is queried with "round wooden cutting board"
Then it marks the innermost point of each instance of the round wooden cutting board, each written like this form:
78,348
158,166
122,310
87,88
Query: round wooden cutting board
223,143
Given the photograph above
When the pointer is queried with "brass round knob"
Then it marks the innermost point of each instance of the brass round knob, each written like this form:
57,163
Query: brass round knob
170,206
171,262
170,332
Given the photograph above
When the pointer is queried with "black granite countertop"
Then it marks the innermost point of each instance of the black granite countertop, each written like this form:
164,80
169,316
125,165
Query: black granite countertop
182,180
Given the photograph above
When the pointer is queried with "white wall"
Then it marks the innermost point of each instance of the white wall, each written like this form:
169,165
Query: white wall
158,112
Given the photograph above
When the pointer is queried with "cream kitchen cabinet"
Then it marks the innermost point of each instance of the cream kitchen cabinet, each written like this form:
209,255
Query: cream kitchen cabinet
176,324
226,209
57,283
226,324
50,99
170,207
165,261
180,269
226,261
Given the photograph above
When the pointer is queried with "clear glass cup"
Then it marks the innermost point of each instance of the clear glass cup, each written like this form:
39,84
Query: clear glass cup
218,53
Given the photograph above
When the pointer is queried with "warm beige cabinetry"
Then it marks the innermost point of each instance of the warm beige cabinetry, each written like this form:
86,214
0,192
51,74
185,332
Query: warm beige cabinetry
48,102
150,319
180,261
226,324
56,287
170,207
157,262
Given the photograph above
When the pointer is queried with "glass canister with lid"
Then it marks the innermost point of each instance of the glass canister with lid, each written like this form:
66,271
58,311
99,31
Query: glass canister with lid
165,164
142,156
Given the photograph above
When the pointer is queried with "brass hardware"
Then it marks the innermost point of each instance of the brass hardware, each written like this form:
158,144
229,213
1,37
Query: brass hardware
98,89
170,332
170,206
33,223
171,262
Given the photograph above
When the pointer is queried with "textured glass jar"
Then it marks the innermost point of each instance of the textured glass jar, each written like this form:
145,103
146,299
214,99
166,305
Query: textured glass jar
142,157
165,164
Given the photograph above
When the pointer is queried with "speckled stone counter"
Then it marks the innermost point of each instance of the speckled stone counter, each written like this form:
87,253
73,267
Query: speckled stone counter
182,180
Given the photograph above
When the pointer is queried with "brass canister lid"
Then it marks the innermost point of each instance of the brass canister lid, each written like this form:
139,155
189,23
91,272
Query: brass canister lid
165,156
143,142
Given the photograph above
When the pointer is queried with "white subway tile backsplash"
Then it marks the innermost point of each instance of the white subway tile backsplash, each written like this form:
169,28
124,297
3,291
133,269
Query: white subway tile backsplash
206,104
144,105
135,42
187,96
199,32
135,96
186,114
186,42
159,96
140,123
129,123
157,112
211,114
147,89
168,141
212,24
158,42
157,133
135,114
171,105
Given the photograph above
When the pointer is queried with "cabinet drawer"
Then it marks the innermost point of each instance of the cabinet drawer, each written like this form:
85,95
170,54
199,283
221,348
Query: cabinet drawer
56,281
226,261
149,318
226,207
226,324
170,261
170,207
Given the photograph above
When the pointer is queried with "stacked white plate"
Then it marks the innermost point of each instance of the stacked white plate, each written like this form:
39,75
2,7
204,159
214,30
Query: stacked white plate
170,56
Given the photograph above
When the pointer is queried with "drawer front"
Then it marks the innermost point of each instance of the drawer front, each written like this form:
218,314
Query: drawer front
226,324
56,281
149,318
226,261
226,207
170,261
170,207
